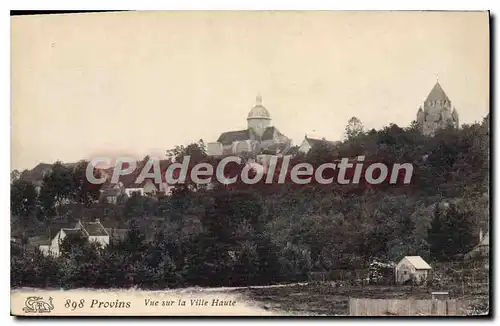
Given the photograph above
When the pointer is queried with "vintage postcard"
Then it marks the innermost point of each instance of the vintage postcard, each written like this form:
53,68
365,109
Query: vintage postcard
250,163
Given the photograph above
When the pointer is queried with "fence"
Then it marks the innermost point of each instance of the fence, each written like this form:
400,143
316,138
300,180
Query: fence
393,307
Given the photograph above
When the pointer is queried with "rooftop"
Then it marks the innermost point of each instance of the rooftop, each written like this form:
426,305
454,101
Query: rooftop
258,111
418,262
437,94
94,228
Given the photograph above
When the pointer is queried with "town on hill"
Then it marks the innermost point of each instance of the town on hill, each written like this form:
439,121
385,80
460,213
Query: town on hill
431,233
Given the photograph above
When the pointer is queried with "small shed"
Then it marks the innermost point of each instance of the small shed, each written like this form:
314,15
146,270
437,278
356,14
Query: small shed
412,266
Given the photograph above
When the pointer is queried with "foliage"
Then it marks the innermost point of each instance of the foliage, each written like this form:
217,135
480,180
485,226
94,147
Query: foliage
451,232
277,233
354,128
23,198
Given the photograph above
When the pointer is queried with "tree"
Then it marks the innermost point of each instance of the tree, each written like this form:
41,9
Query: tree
414,126
58,187
197,151
84,191
354,128
14,175
138,206
23,198
225,213
451,232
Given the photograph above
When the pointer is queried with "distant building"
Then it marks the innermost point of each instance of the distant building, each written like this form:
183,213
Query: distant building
482,249
412,266
308,143
259,136
92,231
128,185
111,192
437,113
145,188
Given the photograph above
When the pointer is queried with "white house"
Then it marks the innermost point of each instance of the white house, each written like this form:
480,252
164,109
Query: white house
411,266
149,187
93,231
308,143
130,191
146,187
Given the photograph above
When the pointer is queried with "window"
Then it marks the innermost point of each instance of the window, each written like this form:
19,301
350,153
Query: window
405,272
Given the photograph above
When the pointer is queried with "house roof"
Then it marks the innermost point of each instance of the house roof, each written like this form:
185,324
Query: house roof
227,138
164,164
56,225
417,262
437,93
111,192
94,228
480,249
320,142
74,231
485,241
39,240
292,150
129,180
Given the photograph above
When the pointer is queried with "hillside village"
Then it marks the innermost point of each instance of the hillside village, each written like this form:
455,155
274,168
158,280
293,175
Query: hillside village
215,236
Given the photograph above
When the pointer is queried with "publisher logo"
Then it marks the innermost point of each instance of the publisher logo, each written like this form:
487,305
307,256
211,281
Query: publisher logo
37,305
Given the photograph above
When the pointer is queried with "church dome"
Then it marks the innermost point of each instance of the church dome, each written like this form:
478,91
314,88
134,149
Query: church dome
258,111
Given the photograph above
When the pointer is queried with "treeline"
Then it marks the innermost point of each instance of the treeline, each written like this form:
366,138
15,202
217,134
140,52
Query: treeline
63,185
168,261
244,235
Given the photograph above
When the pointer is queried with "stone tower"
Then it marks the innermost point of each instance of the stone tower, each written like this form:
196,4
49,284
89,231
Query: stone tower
258,118
437,112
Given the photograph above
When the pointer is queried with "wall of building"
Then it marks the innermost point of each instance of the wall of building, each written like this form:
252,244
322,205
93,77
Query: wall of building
305,147
258,125
102,240
130,191
45,249
405,270
54,248
214,149
150,188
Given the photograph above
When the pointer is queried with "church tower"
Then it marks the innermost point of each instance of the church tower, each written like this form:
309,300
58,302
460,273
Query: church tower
258,118
437,113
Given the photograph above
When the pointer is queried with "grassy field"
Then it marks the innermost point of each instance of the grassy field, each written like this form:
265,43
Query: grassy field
324,299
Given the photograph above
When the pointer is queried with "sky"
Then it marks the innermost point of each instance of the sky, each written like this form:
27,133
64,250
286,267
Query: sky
137,83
